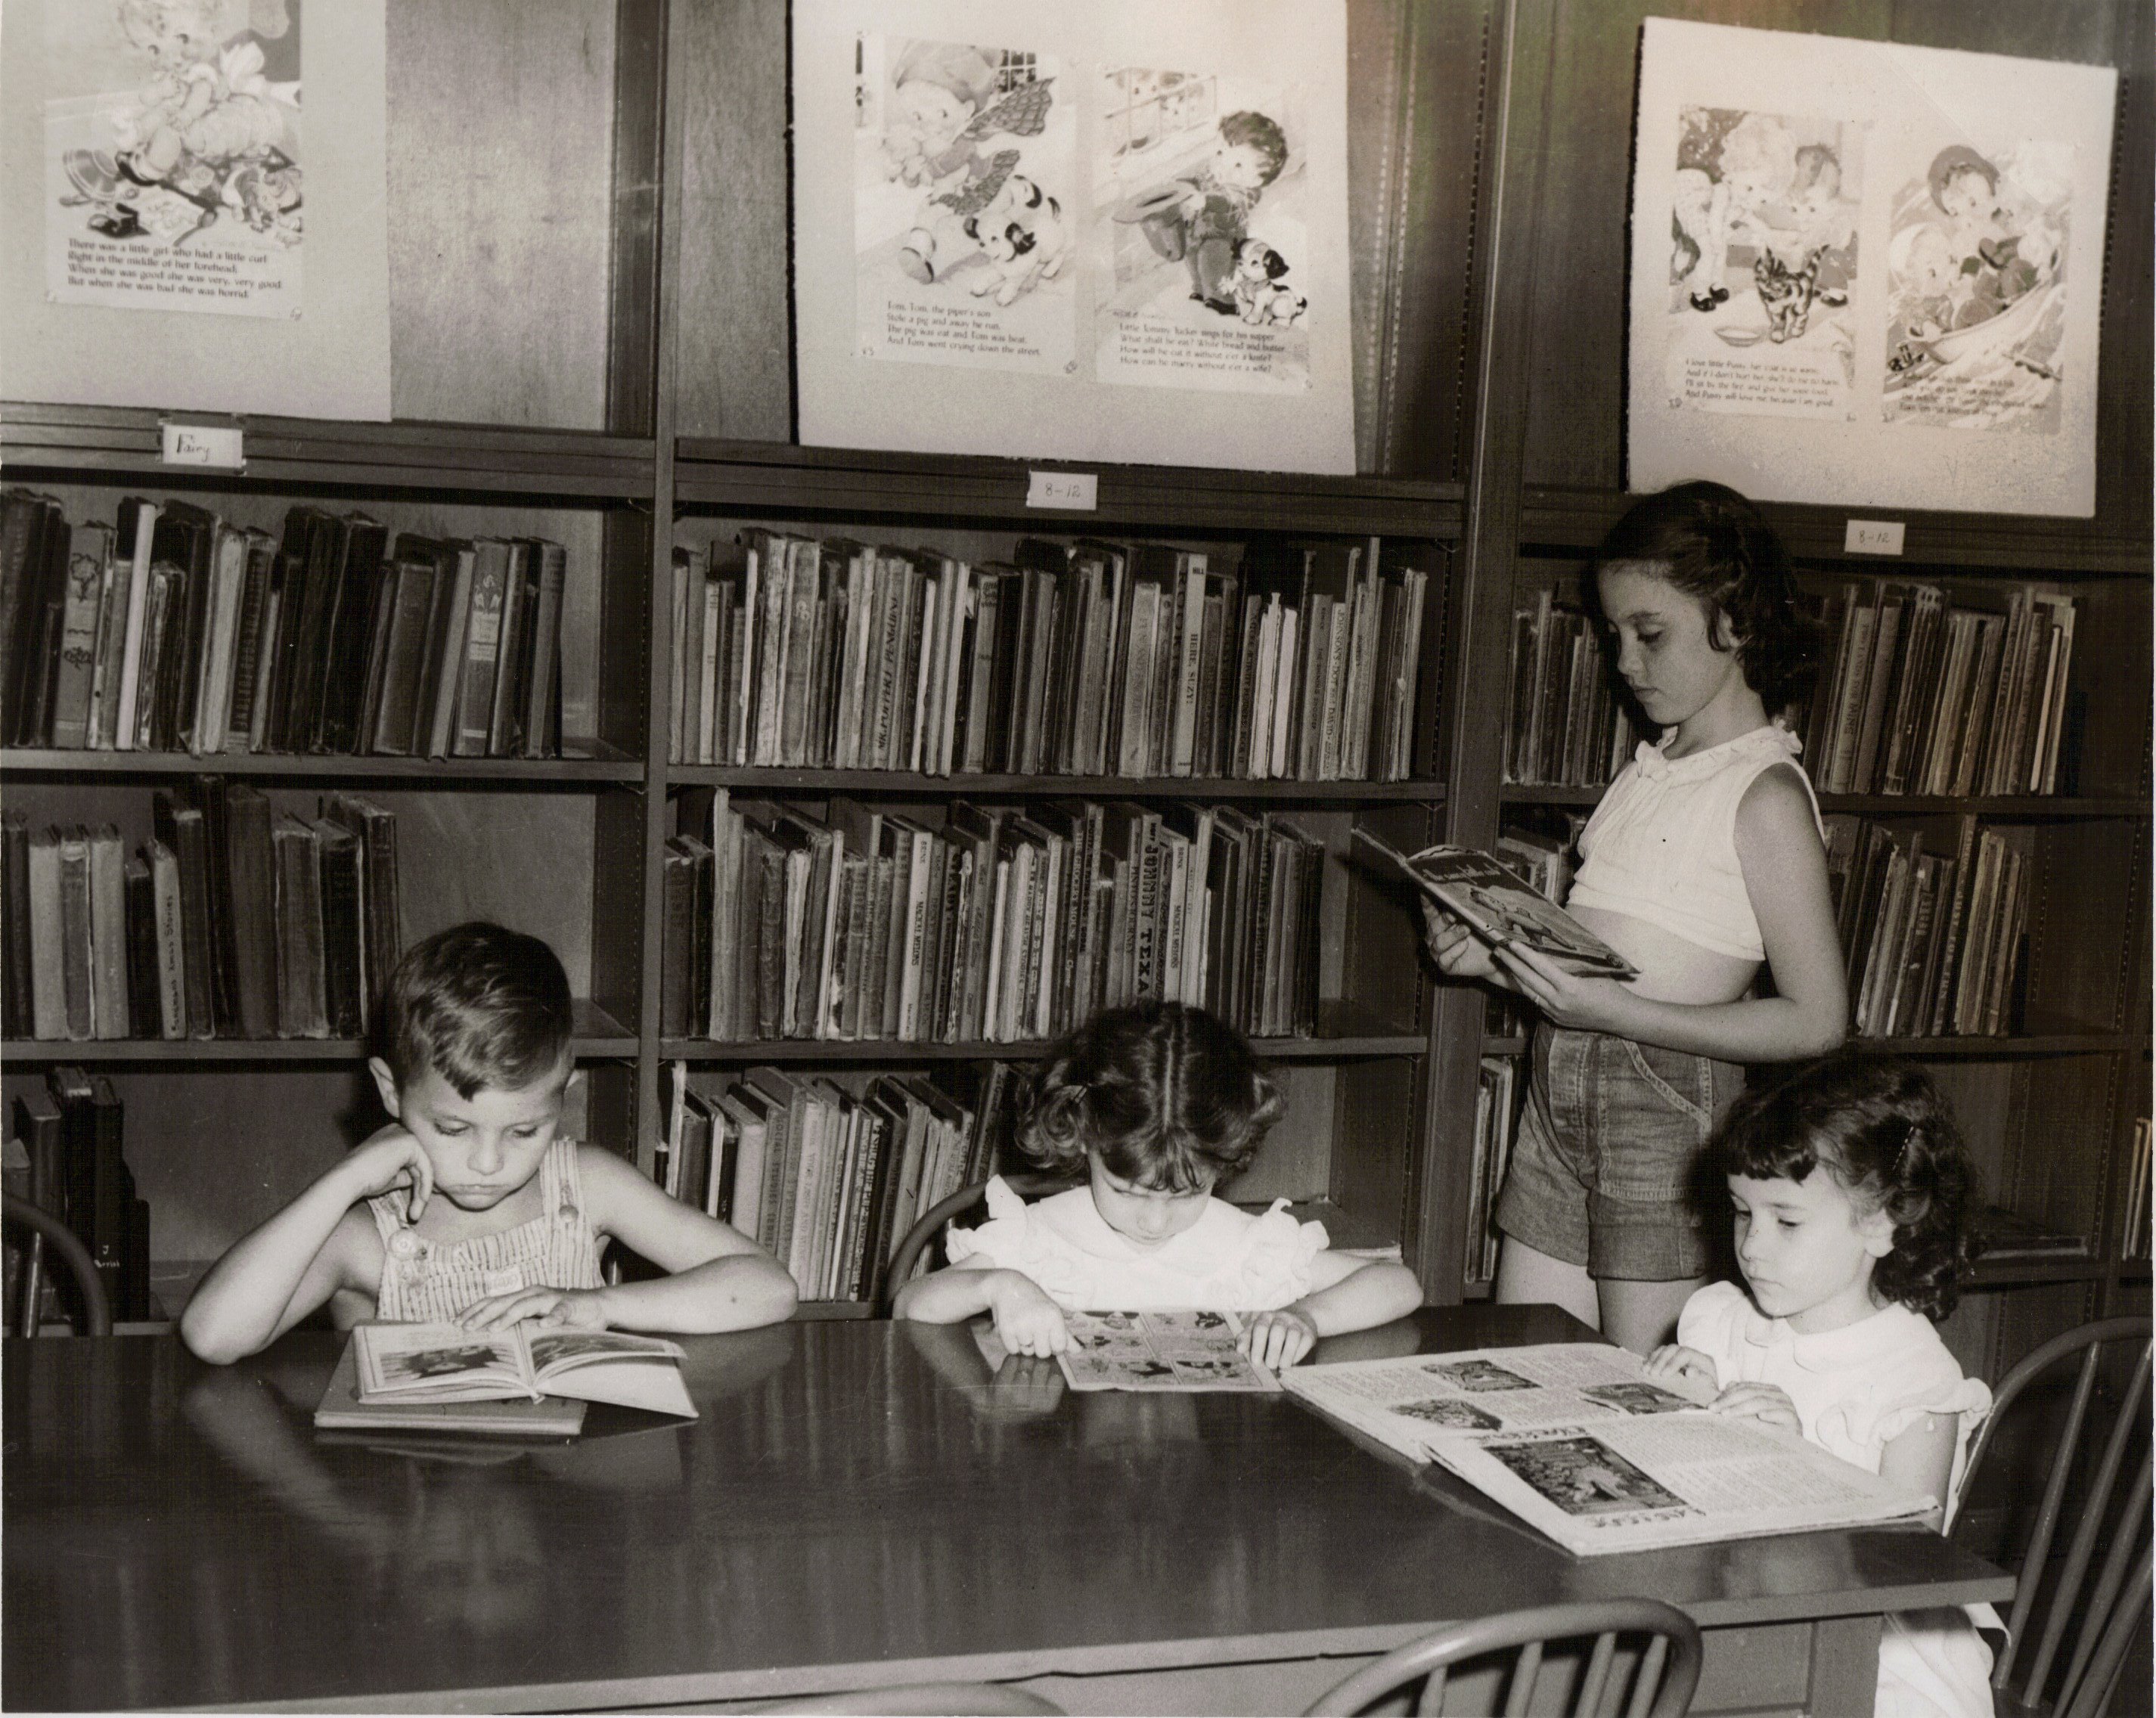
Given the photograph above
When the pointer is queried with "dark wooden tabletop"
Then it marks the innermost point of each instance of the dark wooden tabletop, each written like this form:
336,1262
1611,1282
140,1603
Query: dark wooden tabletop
855,1494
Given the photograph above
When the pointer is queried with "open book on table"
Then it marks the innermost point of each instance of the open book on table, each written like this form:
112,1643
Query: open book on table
410,1372
1148,1350
1502,910
1576,1440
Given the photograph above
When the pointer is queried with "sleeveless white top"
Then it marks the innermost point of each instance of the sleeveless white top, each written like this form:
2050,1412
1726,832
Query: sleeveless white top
430,1282
1662,844
1227,1260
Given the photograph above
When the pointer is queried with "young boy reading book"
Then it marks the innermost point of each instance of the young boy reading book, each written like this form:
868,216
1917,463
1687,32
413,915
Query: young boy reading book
469,1207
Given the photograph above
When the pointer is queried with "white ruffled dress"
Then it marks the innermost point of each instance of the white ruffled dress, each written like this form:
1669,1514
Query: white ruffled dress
1227,1260
1855,1389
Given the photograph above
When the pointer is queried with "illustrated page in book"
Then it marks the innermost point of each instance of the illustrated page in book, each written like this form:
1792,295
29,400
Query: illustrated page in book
1111,232
1178,1350
1499,908
444,1362
1576,1440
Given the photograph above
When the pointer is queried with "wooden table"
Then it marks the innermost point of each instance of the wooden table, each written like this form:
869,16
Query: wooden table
859,1504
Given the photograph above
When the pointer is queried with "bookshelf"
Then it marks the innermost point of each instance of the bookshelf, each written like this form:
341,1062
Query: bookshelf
602,342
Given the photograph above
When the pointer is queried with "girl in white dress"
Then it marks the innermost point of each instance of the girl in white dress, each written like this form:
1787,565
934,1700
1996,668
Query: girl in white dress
1849,1182
1157,1102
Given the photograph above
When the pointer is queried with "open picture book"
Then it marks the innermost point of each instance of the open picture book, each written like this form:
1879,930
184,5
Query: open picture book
1577,1441
1505,912
525,1377
1148,1350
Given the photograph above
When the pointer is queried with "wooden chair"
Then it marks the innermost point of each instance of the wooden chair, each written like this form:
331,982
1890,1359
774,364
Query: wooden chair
930,1224
60,1244
1662,1685
2080,1648
935,1700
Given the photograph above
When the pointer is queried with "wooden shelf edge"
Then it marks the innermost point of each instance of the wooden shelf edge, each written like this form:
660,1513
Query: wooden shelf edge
891,783
1339,1045
613,769
1578,519
2029,806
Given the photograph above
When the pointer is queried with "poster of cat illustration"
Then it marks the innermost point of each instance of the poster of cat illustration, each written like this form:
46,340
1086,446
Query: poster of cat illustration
1114,232
1864,273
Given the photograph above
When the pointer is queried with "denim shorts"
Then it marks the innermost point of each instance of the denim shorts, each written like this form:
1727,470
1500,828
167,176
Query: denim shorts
1603,1166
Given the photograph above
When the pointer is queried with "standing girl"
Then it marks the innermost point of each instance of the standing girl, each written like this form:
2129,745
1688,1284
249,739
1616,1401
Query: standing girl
1849,1183
1703,864
1157,1102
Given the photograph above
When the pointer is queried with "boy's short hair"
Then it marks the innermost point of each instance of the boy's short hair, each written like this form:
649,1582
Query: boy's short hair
1253,129
479,1004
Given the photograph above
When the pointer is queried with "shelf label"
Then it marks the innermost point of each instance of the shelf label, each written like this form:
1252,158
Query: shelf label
1872,536
203,444
1074,491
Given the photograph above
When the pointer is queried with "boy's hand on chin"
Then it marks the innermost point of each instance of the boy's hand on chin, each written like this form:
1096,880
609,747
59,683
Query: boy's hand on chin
390,1157
554,1309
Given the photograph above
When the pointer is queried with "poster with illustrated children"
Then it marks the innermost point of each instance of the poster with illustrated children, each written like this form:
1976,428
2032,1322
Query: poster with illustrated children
1198,195
158,149
1865,274
1117,233
184,191
965,159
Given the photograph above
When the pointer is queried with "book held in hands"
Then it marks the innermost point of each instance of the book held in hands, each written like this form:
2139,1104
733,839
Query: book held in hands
1501,910
1182,1350
430,1369
1577,1441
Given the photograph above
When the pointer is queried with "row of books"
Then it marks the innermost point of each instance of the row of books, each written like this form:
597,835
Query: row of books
2133,1242
1932,927
1921,694
828,1180
1088,659
65,1153
1925,695
1497,1118
1001,924
1570,728
175,630
236,919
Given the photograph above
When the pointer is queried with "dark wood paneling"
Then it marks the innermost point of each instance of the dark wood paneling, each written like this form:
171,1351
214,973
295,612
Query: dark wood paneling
737,326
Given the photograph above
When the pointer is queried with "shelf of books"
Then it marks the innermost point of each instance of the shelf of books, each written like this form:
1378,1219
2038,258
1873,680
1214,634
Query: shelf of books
1980,754
941,780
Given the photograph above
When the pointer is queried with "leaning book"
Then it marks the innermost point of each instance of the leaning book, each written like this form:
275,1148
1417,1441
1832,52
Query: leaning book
1152,1351
1577,1441
407,1370
1501,910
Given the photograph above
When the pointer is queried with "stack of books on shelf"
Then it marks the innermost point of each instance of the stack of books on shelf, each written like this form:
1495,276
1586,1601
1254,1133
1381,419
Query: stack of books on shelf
174,630
1003,924
236,919
65,1154
1570,728
830,1180
1291,662
2133,1243
1496,1115
1931,925
1923,695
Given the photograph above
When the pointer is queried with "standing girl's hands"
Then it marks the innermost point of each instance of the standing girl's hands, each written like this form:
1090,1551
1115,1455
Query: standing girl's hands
1570,999
1459,952
1027,1321
391,1158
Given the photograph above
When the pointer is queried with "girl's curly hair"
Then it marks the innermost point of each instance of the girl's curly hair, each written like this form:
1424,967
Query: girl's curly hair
1881,1129
1717,547
1171,1097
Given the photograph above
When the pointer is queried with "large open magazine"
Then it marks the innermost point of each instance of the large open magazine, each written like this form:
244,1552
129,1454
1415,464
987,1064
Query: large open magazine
1576,1440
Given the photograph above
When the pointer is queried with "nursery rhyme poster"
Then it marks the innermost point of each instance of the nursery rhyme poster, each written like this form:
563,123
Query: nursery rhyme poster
203,246
1866,274
1115,234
